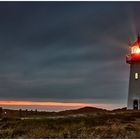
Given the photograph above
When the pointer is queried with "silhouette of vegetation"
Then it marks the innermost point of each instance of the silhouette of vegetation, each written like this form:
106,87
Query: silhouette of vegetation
81,123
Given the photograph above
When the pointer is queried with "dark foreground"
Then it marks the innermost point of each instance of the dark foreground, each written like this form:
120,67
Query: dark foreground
113,124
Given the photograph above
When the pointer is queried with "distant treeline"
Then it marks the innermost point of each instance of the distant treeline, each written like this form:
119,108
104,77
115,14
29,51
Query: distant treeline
23,113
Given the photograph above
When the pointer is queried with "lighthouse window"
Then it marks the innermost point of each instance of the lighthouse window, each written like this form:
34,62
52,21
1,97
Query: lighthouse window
136,75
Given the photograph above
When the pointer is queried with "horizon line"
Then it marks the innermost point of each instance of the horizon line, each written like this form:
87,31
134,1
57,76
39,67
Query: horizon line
32,103
54,105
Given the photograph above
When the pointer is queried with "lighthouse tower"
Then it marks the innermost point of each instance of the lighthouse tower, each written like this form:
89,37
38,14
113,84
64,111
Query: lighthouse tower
134,80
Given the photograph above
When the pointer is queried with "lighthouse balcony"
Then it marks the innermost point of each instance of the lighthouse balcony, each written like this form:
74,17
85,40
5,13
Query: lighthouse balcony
128,59
132,58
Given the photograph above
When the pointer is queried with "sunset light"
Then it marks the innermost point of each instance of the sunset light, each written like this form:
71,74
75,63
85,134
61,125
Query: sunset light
31,103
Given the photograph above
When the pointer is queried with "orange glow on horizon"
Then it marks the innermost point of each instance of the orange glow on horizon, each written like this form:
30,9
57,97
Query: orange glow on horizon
45,103
57,106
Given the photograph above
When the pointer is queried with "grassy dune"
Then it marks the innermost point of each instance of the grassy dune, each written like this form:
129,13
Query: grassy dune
113,124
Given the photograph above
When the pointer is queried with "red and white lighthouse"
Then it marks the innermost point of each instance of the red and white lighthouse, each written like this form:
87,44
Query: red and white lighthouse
134,80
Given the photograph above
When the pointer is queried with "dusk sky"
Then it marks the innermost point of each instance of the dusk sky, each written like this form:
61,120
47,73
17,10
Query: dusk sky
62,55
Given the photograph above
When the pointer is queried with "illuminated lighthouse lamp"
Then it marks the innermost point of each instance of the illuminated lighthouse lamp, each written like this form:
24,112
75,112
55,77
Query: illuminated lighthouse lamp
135,49
134,52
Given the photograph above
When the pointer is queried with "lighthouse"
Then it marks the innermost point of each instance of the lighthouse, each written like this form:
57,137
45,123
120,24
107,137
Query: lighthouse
133,58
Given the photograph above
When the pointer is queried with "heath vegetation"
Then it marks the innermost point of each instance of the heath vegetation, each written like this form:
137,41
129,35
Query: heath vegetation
69,124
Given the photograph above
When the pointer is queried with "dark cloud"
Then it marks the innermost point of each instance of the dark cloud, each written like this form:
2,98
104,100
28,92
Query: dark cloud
65,50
